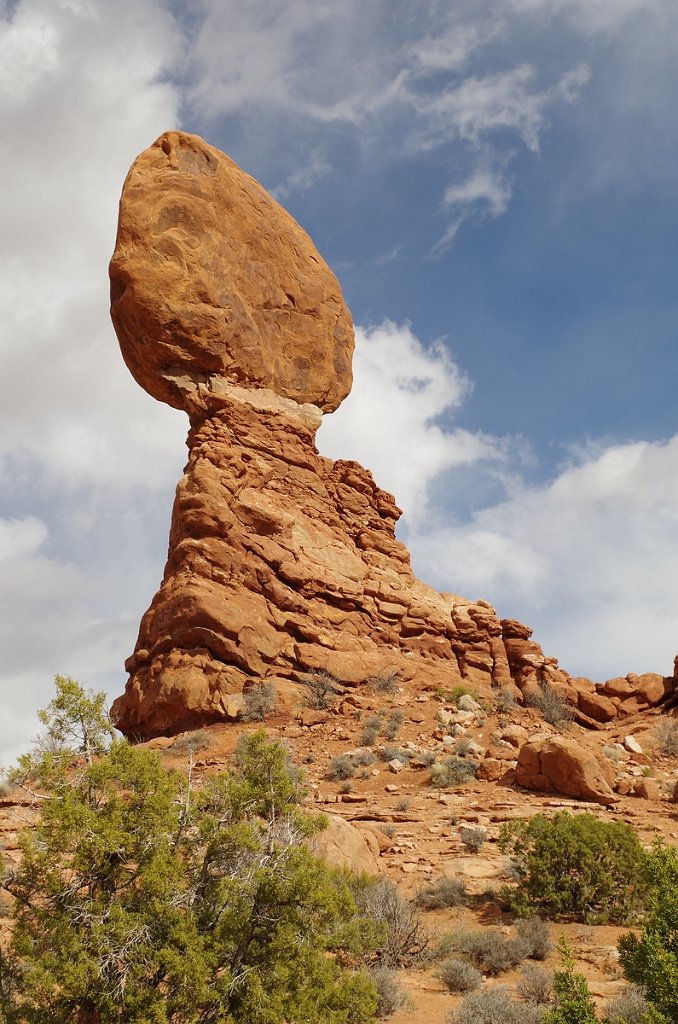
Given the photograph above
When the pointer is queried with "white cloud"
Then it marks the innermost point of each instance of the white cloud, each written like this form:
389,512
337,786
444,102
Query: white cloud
583,559
303,178
592,16
486,190
391,421
351,67
82,91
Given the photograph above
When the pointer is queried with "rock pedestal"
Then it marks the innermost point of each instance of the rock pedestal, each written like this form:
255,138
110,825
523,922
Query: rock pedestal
280,561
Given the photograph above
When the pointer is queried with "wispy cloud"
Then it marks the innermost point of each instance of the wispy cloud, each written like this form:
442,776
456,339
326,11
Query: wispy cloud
575,556
392,422
305,177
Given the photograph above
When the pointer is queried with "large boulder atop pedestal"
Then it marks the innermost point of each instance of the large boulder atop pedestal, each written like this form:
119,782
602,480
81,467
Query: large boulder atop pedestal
211,278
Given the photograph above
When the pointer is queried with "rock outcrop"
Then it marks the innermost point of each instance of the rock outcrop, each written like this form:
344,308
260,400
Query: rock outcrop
559,765
280,561
211,277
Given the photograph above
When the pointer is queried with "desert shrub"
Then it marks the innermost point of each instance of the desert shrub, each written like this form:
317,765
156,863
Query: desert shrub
493,1005
393,723
489,950
628,1007
453,771
340,767
406,940
473,838
612,753
322,689
391,753
459,975
506,700
346,787
362,758
666,735
651,958
139,897
576,866
553,708
451,694
573,1001
191,742
383,682
370,730
258,702
444,892
390,996
403,804
424,758
535,984
535,933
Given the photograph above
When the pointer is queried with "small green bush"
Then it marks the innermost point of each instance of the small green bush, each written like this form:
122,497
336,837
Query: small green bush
666,735
506,700
574,1003
451,694
393,724
370,731
258,702
191,742
651,958
536,985
628,1007
340,767
473,838
384,682
444,892
362,758
576,867
390,753
489,950
494,1005
390,995
453,771
405,941
459,975
535,933
553,708
322,689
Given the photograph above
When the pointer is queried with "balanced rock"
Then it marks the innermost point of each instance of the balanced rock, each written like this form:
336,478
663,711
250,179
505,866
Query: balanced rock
212,279
554,764
280,562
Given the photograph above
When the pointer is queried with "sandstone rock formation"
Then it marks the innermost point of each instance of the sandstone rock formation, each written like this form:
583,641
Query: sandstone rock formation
211,277
280,561
559,765
342,845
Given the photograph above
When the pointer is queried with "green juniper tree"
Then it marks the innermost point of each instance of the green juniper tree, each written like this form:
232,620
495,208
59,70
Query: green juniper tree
651,959
144,899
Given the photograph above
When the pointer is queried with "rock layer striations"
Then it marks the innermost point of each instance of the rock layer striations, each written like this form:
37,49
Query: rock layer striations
280,561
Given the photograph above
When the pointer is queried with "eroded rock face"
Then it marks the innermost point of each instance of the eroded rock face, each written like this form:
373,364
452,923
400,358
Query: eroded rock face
554,764
280,561
212,278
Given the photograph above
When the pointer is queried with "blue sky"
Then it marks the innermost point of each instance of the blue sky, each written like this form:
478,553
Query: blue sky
495,186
